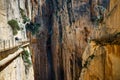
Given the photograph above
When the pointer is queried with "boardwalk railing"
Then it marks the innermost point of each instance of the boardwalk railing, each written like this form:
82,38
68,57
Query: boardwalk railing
9,44
12,56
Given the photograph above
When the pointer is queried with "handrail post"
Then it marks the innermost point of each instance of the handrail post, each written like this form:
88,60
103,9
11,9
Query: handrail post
9,43
12,42
0,45
4,44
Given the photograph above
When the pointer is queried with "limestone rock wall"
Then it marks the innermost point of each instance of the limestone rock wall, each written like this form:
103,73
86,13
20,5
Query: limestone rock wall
69,30
59,32
66,30
72,33
67,52
4,28
101,62
10,9
17,69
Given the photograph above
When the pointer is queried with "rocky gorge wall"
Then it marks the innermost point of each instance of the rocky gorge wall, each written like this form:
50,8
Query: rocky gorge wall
3,20
69,32
11,9
17,10
69,44
58,39
100,60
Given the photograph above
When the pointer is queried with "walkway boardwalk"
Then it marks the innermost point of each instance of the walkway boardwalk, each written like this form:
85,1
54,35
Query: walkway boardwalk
10,44
12,56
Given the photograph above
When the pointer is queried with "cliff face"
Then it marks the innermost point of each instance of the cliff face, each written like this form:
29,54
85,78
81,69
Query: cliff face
15,9
11,9
67,51
66,38
3,24
100,60
77,40
69,31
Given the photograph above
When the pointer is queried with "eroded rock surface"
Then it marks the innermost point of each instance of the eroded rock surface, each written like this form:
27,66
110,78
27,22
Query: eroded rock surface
101,61
67,28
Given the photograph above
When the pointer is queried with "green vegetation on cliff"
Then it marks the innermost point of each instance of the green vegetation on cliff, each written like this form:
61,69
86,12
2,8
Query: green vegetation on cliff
14,25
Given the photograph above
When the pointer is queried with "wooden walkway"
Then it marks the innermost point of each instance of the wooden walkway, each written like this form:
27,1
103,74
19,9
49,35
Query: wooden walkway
10,44
8,47
12,56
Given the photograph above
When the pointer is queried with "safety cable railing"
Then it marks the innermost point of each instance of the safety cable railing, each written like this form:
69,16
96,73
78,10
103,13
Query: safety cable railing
9,44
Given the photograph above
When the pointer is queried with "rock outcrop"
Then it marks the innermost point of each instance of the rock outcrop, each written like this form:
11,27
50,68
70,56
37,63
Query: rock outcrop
100,61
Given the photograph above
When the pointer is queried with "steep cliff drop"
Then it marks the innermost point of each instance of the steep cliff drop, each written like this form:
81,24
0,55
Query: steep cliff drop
69,39
74,25
61,39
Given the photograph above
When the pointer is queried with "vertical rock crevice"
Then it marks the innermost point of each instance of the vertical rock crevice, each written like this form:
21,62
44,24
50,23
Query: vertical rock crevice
67,30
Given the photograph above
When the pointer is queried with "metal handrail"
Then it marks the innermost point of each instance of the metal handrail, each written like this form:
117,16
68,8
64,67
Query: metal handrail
12,56
9,44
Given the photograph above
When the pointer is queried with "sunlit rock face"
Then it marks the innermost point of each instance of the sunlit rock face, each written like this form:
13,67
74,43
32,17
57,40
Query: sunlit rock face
101,61
69,42
5,30
10,9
